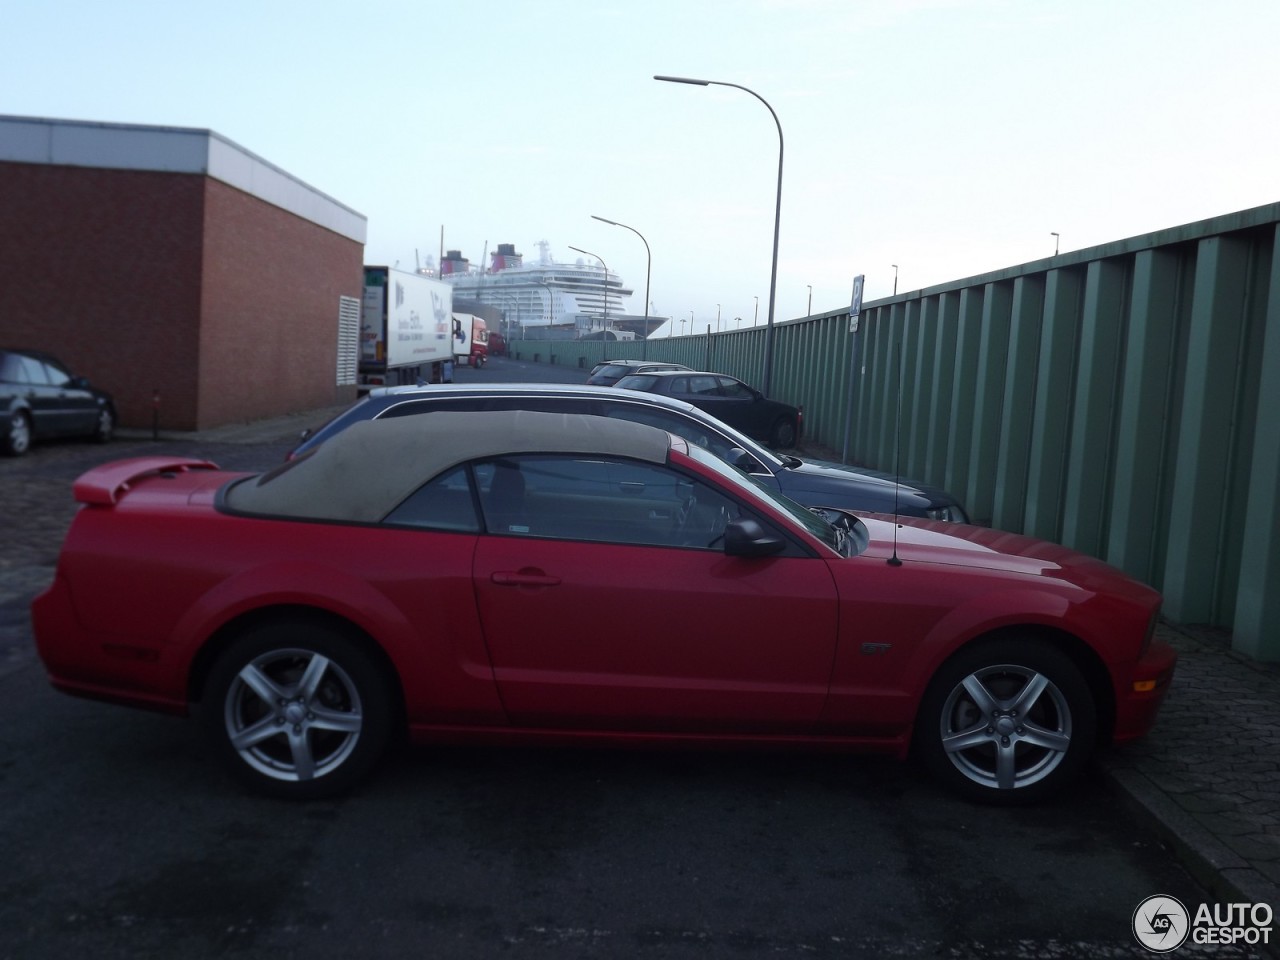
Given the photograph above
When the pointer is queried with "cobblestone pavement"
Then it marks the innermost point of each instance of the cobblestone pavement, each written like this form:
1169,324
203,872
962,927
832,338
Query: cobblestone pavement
1208,776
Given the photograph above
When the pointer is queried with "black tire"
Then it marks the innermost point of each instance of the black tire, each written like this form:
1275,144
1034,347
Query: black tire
1007,721
106,425
15,434
783,435
297,710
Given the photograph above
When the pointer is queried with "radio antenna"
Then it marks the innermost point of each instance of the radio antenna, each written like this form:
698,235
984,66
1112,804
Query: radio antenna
894,561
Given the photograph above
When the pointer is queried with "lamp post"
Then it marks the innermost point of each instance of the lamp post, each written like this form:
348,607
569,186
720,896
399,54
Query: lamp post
777,218
604,287
717,318
1055,242
895,278
809,310
509,298
644,346
756,317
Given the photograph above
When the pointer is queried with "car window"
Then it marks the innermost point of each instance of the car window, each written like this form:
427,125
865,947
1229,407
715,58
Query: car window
637,381
703,387
734,389
547,404
695,432
33,372
10,367
56,375
445,503
602,500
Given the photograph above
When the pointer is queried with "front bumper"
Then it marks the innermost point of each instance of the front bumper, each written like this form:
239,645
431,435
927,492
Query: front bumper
1141,690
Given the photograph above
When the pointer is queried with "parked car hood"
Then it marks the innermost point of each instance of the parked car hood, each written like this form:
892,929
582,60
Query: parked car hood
958,544
816,477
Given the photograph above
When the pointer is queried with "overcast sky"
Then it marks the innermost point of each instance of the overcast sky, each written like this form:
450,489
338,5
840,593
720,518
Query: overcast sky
950,137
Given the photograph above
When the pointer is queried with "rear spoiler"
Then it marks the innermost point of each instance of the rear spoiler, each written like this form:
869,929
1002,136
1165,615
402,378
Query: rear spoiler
103,485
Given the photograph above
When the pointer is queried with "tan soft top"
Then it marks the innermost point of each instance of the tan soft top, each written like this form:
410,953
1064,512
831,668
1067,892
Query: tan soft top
365,471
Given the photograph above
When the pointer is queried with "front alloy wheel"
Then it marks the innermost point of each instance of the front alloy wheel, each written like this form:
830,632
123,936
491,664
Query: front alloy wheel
298,711
1008,722
106,426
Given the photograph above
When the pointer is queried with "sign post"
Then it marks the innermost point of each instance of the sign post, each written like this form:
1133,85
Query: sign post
855,309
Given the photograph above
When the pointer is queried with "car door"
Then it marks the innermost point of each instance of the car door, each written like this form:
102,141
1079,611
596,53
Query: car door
47,416
743,408
704,391
77,407
607,603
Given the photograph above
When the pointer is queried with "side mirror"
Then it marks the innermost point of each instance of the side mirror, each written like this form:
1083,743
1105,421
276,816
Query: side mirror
745,537
737,457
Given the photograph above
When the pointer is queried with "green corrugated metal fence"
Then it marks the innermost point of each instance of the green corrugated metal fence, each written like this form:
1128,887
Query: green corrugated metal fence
1123,400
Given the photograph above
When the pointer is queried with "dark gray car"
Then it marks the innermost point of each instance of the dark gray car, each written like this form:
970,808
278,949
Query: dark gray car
40,398
812,484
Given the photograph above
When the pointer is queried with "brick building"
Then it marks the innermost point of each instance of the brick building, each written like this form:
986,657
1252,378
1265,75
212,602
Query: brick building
171,260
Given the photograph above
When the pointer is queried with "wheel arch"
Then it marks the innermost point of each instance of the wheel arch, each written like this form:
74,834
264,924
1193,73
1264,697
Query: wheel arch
1091,666
257,618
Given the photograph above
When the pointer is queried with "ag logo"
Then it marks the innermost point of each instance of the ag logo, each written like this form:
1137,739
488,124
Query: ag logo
1161,924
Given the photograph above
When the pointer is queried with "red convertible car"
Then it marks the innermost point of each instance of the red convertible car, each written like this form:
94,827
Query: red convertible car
461,577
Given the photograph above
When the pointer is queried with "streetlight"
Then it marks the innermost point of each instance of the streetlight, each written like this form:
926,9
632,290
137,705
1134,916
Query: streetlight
1055,242
551,302
777,218
756,319
604,287
511,299
809,312
895,278
717,318
644,346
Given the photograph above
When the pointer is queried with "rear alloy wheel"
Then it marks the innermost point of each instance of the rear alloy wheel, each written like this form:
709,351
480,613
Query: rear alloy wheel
784,434
297,710
1007,722
16,439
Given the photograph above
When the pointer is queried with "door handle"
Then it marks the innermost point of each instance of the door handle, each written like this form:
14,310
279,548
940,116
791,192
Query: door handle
523,578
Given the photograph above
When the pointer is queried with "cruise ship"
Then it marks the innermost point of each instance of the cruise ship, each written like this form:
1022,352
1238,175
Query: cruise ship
546,298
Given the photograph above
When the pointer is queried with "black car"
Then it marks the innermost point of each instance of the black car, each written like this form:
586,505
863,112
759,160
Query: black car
611,371
40,398
812,484
725,398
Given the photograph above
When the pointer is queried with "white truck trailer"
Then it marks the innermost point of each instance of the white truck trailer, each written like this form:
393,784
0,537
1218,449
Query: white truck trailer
406,328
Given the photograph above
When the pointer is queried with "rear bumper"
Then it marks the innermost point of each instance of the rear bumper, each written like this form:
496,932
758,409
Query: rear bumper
1140,692
98,666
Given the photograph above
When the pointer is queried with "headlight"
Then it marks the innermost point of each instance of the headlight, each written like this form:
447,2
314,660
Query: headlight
952,513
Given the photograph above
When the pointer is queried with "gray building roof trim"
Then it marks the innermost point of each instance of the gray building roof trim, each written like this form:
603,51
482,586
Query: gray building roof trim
119,146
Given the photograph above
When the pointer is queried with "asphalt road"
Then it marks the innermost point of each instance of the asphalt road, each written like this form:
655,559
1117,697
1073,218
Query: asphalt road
122,837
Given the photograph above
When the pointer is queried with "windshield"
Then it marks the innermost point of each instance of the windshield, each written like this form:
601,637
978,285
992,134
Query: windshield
729,438
834,537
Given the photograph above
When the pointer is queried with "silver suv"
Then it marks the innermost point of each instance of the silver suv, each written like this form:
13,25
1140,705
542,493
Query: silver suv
812,483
